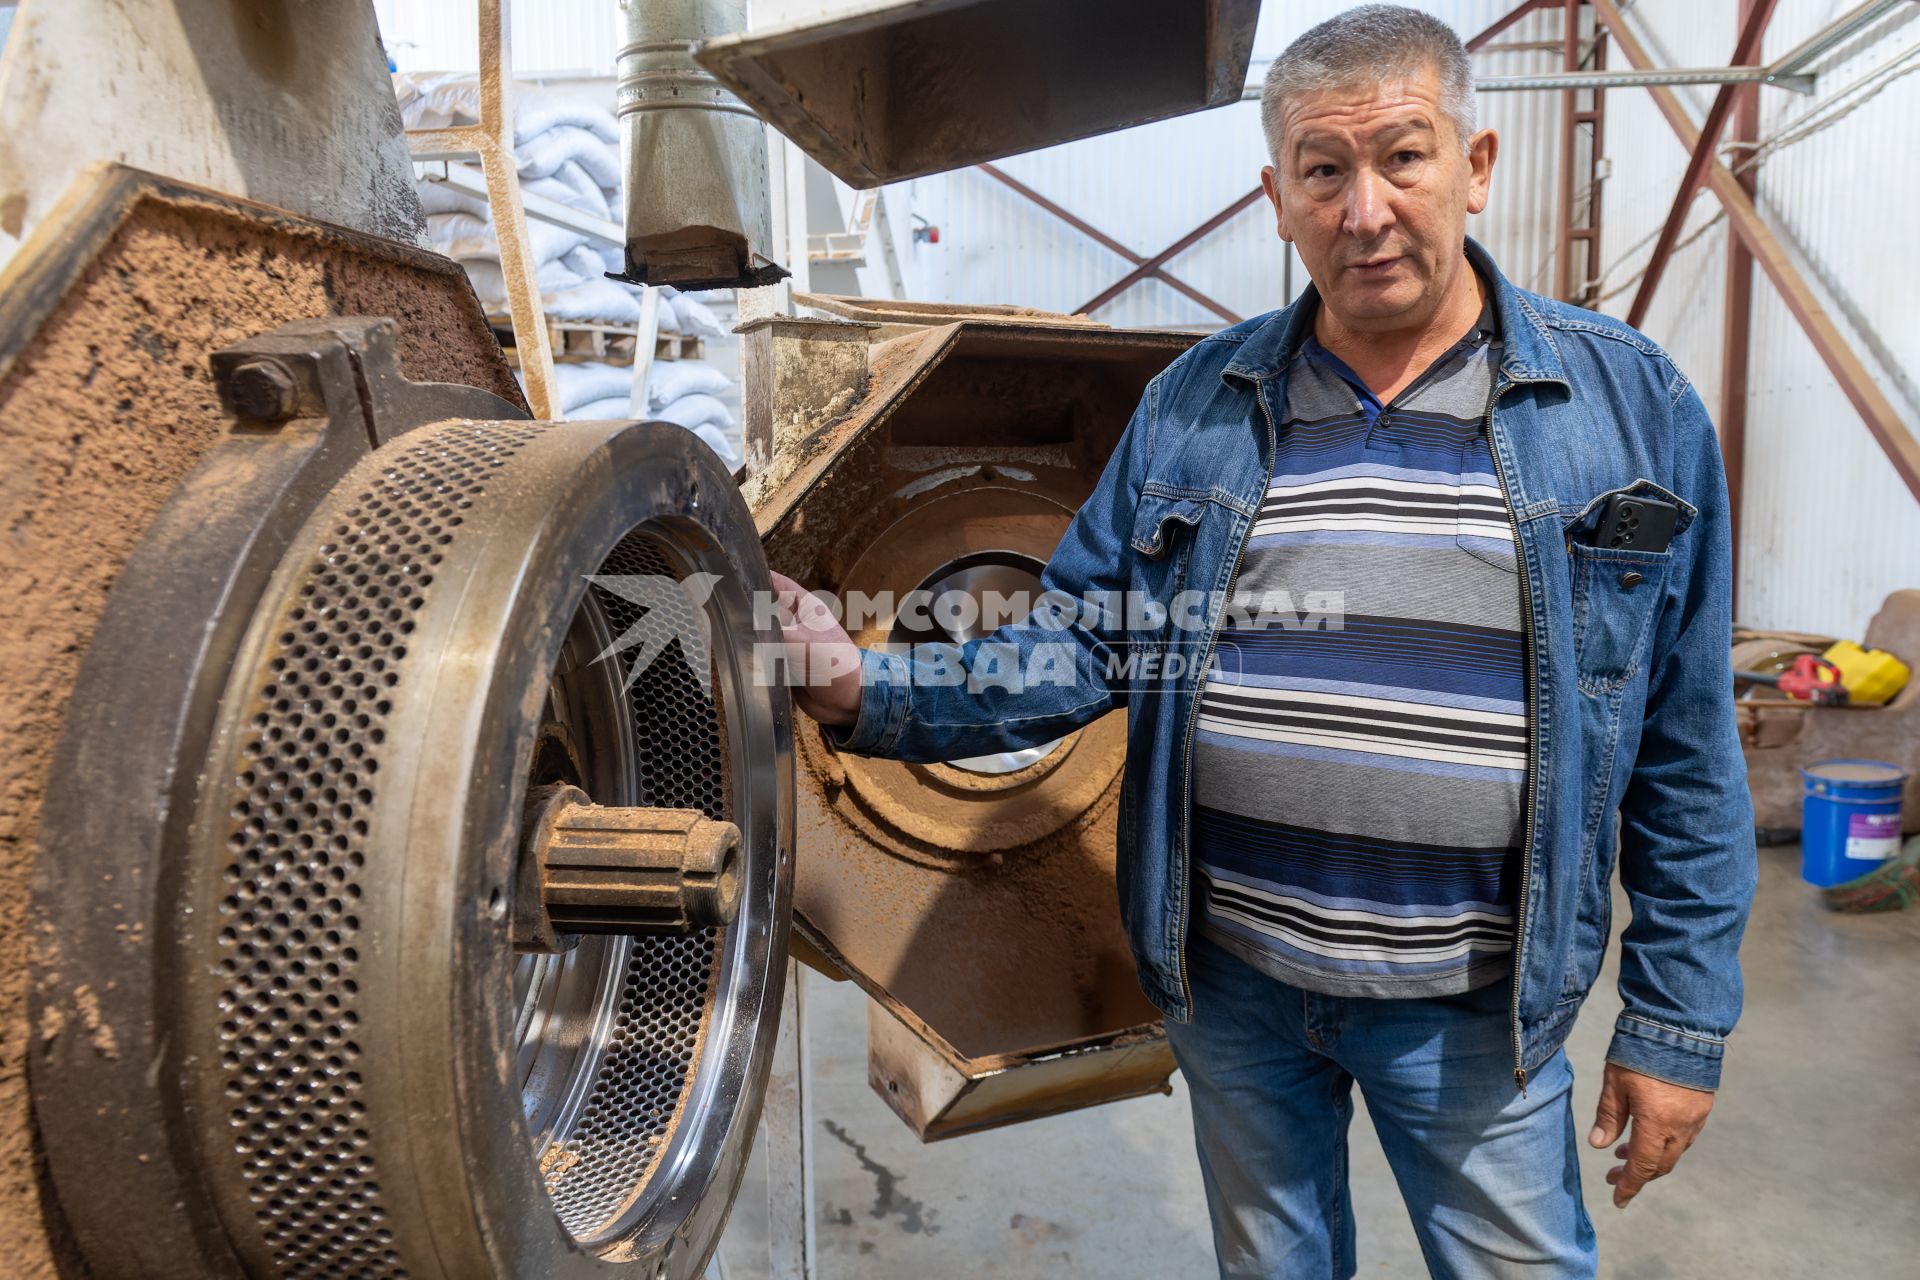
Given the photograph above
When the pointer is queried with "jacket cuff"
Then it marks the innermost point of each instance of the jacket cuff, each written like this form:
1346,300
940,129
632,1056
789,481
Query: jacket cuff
883,707
1666,1053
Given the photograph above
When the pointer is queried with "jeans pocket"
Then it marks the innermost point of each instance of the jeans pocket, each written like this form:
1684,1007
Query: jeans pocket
1616,595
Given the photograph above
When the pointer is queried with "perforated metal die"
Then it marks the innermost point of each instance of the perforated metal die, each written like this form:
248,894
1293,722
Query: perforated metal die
376,1084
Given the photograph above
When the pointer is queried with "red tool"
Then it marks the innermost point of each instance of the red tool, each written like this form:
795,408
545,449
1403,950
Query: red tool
1810,679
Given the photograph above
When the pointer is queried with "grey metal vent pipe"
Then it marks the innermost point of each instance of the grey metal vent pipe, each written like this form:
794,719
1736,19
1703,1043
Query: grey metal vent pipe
694,155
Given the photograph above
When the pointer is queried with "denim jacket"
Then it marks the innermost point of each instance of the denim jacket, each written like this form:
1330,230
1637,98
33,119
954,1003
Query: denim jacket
1633,750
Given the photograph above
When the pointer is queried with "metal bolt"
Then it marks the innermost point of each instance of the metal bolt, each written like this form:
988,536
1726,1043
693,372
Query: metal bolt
261,389
1629,580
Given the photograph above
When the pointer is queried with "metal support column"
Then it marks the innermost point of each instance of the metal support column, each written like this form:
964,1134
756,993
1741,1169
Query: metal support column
889,256
786,1130
1569,104
1596,121
644,342
1736,335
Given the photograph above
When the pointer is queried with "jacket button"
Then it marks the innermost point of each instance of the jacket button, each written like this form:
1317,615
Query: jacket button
1630,579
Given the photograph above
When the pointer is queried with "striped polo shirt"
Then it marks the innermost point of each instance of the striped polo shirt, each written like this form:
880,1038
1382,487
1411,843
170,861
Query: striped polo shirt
1360,763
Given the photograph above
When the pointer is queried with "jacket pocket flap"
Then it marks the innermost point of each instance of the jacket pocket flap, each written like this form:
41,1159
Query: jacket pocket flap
1588,517
1154,513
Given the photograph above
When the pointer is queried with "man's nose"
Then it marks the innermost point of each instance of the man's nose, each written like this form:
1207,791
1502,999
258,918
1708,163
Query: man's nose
1369,210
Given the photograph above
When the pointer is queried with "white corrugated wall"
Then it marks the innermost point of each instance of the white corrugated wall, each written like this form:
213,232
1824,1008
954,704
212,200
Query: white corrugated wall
551,38
1828,529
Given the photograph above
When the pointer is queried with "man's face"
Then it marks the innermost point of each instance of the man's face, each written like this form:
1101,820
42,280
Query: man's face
1374,190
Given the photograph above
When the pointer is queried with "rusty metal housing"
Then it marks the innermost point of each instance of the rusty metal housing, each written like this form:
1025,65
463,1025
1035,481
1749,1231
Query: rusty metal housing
336,623
974,901
897,90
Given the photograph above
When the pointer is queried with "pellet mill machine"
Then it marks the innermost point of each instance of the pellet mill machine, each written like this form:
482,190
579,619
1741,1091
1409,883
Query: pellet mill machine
401,849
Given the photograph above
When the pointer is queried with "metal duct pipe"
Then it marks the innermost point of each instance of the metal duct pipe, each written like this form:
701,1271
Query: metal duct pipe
695,156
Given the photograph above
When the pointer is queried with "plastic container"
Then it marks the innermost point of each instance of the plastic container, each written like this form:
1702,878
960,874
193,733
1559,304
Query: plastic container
1849,818
1872,676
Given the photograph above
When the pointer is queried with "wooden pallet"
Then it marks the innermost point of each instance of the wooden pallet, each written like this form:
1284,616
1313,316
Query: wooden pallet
581,342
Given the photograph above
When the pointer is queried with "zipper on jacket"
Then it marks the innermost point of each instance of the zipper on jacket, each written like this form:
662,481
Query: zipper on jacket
1193,716
1533,738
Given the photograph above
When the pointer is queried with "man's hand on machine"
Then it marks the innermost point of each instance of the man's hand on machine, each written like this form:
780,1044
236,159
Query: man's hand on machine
808,629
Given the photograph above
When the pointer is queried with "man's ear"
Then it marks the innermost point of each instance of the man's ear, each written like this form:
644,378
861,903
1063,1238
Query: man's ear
1481,152
1270,182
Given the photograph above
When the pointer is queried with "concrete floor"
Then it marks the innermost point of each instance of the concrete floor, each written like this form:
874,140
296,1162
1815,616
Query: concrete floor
1808,1167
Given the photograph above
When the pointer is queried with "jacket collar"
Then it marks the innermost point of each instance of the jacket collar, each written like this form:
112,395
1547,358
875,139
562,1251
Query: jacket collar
1528,351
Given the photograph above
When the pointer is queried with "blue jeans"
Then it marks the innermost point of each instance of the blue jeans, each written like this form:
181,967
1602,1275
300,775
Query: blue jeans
1490,1176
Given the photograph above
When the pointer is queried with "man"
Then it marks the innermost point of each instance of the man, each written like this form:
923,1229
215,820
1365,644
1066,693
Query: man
1375,843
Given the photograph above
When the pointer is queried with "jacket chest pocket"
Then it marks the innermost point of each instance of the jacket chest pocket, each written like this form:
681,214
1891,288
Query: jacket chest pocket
1165,528
1616,595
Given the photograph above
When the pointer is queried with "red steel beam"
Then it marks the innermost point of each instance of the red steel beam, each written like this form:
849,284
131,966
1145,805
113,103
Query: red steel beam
1595,118
1106,241
1569,106
1746,52
1498,25
1736,332
1152,265
1841,361
1596,154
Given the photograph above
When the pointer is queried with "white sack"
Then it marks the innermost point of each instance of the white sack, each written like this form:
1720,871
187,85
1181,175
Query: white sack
546,153
671,380
697,318
694,411
580,384
439,99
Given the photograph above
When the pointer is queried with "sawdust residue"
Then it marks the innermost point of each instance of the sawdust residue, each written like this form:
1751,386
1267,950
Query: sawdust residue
99,1034
556,1163
102,412
790,473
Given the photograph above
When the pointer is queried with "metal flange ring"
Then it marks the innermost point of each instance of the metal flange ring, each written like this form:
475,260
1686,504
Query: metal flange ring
373,1083
949,813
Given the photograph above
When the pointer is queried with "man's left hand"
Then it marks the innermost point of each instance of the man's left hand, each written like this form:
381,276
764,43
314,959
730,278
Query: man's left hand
1666,1119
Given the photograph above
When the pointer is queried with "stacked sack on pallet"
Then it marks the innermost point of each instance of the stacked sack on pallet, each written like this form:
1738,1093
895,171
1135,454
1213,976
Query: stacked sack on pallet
680,391
568,151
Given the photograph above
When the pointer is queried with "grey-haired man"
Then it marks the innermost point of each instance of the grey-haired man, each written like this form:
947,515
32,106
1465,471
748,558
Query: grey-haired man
1385,856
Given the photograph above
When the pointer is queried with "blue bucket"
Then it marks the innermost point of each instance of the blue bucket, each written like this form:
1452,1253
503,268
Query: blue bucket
1849,819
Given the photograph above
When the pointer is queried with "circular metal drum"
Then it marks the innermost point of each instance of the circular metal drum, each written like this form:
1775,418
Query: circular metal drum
368,1076
987,542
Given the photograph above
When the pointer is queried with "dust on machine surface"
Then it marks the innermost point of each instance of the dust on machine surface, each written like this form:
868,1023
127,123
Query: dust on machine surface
399,853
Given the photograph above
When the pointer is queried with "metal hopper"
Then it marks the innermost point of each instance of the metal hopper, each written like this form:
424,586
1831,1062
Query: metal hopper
974,901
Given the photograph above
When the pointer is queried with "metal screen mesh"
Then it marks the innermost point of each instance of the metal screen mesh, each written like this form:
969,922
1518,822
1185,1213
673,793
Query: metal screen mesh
301,800
602,1164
